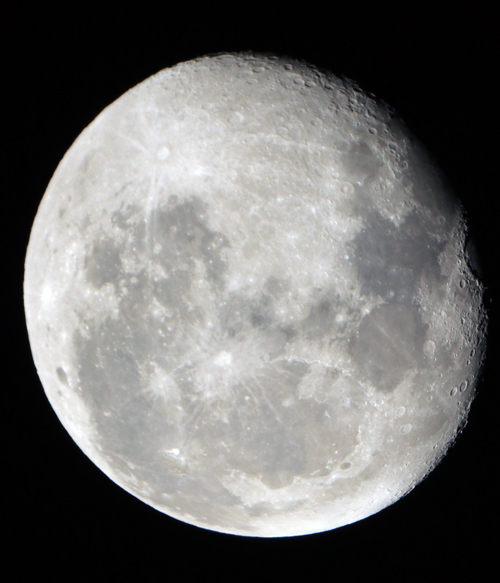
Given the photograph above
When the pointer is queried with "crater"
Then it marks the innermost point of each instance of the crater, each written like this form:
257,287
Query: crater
62,375
162,154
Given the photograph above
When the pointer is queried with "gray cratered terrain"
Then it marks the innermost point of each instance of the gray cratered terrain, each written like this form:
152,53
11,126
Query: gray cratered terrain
250,301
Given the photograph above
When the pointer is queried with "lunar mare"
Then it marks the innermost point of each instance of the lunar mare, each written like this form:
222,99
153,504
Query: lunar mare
249,298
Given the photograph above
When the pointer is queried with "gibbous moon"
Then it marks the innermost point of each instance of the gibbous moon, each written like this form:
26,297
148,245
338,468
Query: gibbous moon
251,300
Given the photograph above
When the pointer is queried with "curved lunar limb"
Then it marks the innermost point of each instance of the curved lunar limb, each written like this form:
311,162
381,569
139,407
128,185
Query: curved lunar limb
249,299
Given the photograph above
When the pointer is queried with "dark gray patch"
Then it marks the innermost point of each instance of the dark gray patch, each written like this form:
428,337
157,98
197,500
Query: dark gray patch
431,426
388,343
171,290
279,456
103,265
122,218
110,380
262,312
237,313
184,237
390,259
86,222
108,369
280,435
320,319
361,163
276,287
62,375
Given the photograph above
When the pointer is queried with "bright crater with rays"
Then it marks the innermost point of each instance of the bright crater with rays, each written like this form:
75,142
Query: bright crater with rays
251,298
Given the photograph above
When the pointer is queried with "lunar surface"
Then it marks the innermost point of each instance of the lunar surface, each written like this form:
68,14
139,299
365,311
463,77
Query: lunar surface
251,300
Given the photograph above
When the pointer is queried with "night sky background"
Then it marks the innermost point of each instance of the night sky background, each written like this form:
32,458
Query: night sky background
61,64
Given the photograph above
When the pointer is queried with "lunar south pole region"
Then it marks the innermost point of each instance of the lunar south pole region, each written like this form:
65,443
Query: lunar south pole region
251,298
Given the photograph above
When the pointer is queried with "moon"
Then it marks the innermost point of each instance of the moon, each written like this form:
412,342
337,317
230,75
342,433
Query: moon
252,300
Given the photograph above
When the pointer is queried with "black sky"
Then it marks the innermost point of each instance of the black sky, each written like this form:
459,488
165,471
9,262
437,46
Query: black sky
61,66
